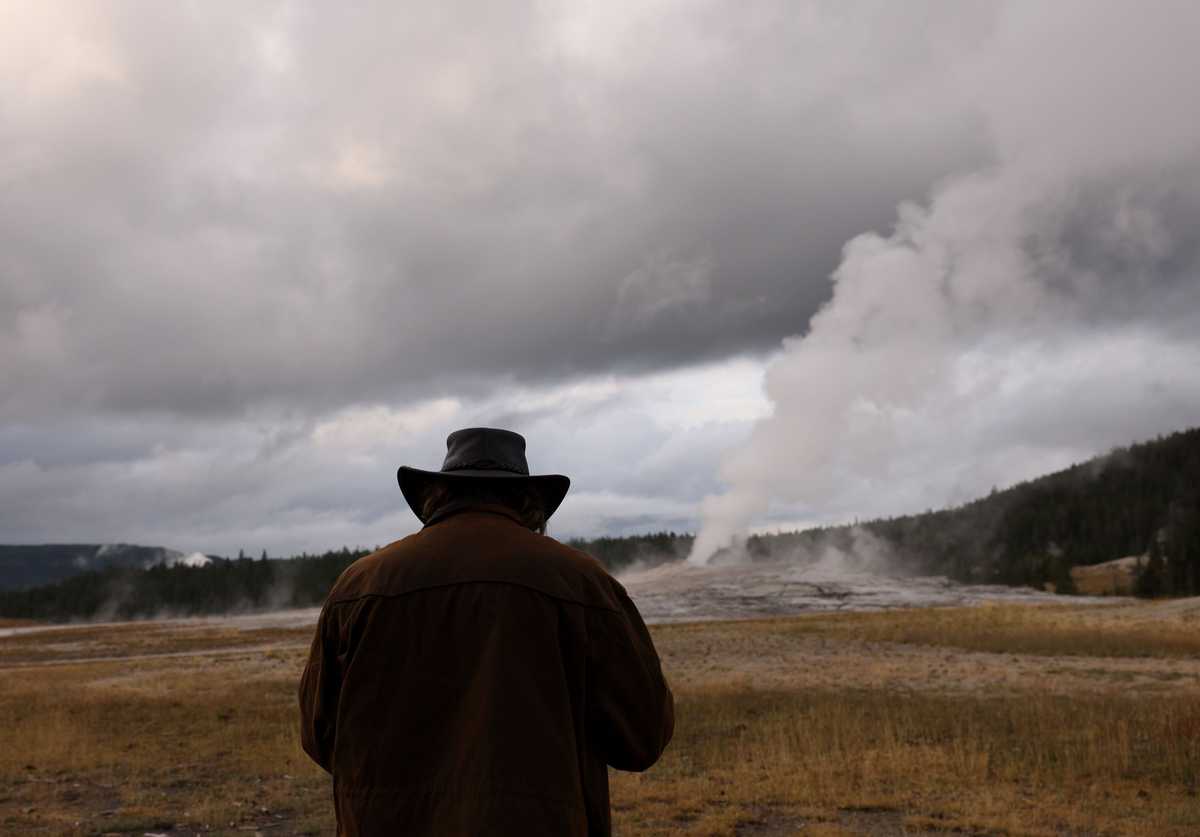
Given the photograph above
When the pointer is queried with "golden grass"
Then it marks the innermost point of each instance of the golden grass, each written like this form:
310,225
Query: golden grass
821,725
1112,578
1028,764
1049,630
84,641
89,749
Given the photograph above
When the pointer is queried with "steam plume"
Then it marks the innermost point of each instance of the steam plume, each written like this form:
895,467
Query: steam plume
1053,293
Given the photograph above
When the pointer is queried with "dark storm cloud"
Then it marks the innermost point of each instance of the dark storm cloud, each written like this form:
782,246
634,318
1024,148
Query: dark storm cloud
214,209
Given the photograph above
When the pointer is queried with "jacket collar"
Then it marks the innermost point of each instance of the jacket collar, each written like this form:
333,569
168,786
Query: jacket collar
460,507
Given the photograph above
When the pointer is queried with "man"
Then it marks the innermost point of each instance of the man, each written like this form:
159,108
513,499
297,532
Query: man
478,677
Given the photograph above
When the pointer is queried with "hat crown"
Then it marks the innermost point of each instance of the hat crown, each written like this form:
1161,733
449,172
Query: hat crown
481,453
485,449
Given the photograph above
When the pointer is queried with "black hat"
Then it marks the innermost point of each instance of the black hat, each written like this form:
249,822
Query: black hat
475,453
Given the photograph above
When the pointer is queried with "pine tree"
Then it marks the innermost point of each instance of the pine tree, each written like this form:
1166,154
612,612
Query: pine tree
1150,580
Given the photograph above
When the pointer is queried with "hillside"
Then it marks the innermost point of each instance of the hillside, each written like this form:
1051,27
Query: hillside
1139,500
182,589
26,566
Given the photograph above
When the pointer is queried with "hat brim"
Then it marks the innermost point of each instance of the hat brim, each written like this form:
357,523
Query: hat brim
414,483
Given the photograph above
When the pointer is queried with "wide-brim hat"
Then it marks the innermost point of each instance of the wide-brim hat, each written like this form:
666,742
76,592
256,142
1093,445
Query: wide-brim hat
481,453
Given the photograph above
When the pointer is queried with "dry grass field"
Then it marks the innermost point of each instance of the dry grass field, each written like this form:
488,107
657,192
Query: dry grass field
1000,720
1112,578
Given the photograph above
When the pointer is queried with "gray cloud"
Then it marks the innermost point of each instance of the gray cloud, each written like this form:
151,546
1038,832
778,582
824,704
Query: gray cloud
252,257
211,211
639,451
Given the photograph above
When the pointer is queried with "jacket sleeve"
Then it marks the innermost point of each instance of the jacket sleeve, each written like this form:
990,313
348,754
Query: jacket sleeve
631,709
320,685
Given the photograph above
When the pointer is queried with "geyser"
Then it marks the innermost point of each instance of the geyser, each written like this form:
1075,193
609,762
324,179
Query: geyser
1033,313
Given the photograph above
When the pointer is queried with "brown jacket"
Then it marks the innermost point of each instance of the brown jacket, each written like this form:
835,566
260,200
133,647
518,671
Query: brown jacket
477,678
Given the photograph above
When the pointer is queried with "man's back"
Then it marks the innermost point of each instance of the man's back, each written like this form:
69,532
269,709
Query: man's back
477,678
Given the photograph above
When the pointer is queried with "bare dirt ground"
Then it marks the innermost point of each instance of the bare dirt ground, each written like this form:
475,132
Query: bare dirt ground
683,592
751,654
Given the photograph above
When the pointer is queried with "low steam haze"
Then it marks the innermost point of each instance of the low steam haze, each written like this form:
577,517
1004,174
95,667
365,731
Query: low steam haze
255,256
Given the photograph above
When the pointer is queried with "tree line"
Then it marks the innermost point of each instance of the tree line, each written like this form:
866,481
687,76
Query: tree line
223,586
245,585
620,553
1139,500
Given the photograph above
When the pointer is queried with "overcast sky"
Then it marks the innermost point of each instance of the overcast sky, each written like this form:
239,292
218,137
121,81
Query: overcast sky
253,256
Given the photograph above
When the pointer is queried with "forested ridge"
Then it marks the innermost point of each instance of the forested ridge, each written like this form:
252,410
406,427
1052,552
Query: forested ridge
33,565
1139,500
223,586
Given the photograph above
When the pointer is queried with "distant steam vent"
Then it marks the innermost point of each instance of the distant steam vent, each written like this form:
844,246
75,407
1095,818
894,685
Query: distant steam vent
25,566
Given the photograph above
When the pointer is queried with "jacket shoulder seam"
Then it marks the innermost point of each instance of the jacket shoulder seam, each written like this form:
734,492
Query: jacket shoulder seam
428,587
